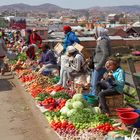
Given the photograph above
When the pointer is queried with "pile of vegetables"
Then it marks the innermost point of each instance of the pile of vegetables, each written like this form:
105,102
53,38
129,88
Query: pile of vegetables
67,112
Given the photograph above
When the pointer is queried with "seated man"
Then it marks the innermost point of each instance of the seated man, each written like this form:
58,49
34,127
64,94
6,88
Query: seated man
112,84
48,59
73,67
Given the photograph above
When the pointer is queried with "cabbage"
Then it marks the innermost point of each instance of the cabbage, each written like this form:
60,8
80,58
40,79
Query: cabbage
77,105
69,100
77,97
97,110
64,110
68,105
87,110
71,112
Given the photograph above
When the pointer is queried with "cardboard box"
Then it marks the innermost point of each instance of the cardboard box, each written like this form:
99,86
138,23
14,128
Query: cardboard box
78,47
58,48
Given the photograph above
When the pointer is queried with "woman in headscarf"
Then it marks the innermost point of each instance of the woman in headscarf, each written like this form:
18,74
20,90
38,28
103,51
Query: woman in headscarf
102,52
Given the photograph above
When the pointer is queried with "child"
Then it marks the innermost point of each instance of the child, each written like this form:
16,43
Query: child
115,85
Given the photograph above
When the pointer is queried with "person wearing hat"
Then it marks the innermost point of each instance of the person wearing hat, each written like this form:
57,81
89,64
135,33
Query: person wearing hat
35,38
3,51
70,37
73,68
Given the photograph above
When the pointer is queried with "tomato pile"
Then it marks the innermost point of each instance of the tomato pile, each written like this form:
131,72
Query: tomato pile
104,128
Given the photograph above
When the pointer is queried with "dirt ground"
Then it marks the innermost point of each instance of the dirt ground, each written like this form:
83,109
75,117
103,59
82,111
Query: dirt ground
17,120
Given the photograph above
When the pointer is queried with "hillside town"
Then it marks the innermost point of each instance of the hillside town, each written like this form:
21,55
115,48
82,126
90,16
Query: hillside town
69,74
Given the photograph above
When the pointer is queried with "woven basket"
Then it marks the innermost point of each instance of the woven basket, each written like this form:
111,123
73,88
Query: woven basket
115,101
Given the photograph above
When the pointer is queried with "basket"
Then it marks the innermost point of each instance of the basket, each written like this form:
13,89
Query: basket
123,110
11,55
129,118
93,100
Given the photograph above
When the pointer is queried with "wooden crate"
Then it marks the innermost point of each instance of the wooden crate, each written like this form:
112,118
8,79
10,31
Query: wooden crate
115,101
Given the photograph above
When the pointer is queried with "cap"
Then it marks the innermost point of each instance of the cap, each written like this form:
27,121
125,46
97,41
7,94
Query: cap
67,28
71,49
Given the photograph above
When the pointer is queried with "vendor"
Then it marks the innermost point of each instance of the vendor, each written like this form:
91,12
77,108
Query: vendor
73,67
70,37
116,77
48,59
35,39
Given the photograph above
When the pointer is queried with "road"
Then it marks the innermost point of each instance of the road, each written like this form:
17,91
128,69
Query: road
18,121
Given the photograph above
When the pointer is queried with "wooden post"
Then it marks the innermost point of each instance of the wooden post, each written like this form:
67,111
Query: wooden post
132,70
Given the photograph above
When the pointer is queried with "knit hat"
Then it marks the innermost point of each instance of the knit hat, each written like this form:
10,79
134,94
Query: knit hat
67,28
71,49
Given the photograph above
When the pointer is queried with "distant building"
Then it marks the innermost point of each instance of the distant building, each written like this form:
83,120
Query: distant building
117,32
111,17
136,24
16,22
133,31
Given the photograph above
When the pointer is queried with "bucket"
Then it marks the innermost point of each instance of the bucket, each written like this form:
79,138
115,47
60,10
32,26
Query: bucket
137,125
93,100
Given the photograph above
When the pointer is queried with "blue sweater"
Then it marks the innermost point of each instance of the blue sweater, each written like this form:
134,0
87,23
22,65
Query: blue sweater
70,39
48,57
119,76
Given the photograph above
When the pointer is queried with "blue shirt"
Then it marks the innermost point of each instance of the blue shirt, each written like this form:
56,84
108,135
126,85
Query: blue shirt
119,76
70,39
48,57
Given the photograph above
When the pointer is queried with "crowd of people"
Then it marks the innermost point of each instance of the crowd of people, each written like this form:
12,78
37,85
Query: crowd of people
107,76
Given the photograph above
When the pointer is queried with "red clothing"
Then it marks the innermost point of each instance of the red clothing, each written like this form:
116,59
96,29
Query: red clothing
31,52
36,39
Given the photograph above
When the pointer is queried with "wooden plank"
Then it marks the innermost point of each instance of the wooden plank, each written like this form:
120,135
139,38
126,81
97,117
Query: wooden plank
132,71
133,106
128,94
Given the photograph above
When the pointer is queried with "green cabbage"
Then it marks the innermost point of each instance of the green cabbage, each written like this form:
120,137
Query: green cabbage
68,105
77,97
71,112
97,110
64,110
78,105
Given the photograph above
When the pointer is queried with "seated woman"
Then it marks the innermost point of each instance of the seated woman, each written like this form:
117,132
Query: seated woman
73,67
48,59
112,84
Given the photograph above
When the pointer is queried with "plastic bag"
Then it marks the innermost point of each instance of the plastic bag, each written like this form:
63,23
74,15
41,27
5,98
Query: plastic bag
133,135
11,55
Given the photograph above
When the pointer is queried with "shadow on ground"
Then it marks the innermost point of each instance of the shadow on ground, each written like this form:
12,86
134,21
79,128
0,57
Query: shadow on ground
5,85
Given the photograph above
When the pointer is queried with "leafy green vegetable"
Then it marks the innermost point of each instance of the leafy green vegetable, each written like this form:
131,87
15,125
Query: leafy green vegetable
123,132
62,95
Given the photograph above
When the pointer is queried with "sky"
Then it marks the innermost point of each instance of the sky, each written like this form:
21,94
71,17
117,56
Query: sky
74,4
